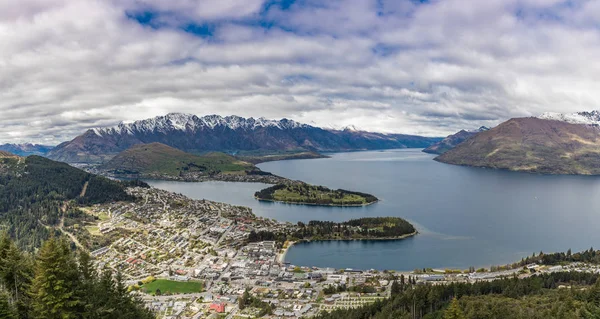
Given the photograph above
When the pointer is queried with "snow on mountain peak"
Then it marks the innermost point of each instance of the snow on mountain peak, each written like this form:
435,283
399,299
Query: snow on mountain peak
592,117
184,122
352,128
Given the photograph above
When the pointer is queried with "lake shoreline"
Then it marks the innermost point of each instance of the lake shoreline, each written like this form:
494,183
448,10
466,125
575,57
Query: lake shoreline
281,256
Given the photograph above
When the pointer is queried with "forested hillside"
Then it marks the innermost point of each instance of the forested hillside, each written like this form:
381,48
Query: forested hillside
56,283
34,192
528,298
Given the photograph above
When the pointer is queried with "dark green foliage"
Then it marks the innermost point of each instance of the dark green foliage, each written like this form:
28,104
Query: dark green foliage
247,300
33,191
454,311
532,297
268,192
58,285
102,190
311,194
7,311
362,228
55,283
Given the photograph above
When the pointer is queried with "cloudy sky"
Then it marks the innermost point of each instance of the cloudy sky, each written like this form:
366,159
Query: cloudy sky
420,67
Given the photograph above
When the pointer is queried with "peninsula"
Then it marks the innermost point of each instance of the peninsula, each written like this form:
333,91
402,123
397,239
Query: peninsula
160,161
306,194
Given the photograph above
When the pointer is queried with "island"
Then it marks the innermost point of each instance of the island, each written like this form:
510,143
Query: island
306,194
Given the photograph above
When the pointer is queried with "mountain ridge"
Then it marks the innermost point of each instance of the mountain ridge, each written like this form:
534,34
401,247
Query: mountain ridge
532,145
585,117
451,141
26,149
230,134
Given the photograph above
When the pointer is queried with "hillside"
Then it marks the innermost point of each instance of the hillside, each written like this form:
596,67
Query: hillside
157,158
532,145
452,141
160,161
231,134
34,190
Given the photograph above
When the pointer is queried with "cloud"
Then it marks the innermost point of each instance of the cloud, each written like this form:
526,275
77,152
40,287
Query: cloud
419,67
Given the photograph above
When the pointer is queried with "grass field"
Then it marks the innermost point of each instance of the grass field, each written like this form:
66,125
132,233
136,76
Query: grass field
174,287
313,195
94,230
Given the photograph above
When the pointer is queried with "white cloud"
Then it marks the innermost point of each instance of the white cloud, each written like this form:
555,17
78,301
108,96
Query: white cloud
392,66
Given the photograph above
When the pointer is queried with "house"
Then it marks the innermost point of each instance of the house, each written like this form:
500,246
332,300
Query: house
218,307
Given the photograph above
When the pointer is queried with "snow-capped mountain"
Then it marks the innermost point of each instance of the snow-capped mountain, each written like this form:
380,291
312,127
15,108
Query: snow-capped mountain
480,129
590,118
26,149
192,123
231,134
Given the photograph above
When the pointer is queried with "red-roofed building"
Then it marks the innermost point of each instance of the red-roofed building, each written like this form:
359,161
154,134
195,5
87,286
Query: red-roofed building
219,307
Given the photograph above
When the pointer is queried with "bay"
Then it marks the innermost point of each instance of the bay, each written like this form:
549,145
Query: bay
465,216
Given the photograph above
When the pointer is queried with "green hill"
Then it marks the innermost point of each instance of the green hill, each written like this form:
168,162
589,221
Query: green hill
158,159
34,192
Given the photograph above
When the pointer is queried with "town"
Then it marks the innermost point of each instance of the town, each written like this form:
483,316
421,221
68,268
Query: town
192,259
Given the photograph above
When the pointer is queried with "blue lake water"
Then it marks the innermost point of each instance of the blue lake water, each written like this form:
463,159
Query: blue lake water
465,216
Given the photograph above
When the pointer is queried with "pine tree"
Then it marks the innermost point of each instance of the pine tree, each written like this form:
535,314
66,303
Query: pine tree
6,309
395,289
55,283
454,311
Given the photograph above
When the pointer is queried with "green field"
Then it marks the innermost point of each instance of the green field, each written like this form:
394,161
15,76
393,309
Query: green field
317,195
174,287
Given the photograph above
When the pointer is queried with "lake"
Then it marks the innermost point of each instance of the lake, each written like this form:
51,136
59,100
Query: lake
465,216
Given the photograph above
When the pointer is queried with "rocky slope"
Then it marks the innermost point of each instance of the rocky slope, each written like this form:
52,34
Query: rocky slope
452,141
231,134
532,145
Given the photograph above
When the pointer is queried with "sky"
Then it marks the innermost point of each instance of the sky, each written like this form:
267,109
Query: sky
420,67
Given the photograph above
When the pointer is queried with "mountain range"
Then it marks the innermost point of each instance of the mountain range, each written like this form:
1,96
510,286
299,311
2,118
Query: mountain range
452,141
26,149
230,134
555,144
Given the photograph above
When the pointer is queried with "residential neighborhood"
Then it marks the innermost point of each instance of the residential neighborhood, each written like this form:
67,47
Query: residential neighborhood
191,259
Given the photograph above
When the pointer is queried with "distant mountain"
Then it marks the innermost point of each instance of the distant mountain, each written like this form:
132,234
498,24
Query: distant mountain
26,149
230,134
532,145
161,159
452,141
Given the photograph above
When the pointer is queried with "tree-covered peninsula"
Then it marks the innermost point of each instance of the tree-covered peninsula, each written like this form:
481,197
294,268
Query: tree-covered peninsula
362,228
302,193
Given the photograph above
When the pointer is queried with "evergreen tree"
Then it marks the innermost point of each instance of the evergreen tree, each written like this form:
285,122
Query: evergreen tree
454,311
7,311
54,286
